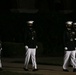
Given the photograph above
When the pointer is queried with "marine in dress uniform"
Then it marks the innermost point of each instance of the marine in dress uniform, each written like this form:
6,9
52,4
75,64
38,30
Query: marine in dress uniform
69,47
30,46
74,27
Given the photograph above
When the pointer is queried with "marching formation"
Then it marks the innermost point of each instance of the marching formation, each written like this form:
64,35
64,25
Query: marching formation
70,45
30,44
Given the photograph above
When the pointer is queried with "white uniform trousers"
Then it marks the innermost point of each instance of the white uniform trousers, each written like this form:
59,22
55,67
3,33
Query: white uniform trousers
0,60
30,52
71,55
75,56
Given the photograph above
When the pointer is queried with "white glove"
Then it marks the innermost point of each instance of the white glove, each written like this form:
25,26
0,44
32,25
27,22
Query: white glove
36,47
26,47
75,39
65,48
1,49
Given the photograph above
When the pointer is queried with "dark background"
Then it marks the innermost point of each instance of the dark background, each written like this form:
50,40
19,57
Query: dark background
49,16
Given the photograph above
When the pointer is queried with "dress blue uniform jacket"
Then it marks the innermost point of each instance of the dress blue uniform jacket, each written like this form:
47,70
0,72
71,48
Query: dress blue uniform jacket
30,38
69,40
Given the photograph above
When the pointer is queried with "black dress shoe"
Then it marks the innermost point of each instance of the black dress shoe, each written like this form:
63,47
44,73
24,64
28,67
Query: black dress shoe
65,70
25,69
35,70
74,70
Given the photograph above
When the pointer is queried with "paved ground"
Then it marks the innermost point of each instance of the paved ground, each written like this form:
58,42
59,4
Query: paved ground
9,65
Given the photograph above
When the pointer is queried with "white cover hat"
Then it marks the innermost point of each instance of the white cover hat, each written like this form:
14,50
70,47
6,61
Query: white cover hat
69,22
31,22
